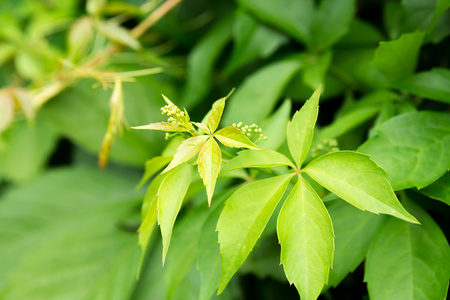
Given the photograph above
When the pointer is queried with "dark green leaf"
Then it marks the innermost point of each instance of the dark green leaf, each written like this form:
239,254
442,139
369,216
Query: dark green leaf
241,223
26,149
358,180
255,99
252,41
408,261
413,148
202,59
293,17
306,237
353,230
439,190
434,84
72,224
331,22
397,59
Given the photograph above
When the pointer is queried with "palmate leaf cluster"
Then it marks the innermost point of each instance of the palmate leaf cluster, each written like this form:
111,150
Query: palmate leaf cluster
351,199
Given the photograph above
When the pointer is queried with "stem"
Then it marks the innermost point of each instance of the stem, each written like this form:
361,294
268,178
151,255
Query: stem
154,17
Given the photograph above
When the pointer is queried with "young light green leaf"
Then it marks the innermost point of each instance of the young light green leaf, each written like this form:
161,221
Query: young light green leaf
146,229
164,126
263,158
306,237
80,37
243,220
354,230
397,59
413,148
358,180
152,166
216,113
202,127
187,150
439,190
408,261
232,137
170,197
118,34
300,130
209,162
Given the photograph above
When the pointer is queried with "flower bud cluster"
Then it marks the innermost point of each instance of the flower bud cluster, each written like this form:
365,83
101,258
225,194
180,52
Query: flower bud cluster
250,130
174,113
326,146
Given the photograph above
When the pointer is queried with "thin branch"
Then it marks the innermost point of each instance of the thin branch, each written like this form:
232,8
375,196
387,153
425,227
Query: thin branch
154,17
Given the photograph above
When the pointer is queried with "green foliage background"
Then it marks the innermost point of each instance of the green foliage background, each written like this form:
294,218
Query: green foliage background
68,229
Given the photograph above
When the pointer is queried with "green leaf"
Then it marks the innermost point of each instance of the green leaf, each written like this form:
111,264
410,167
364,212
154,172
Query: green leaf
232,137
358,180
397,59
348,121
300,129
252,40
408,261
25,149
434,84
151,193
274,126
291,16
170,197
354,231
256,98
145,230
7,51
152,167
331,22
187,150
315,70
209,260
439,190
118,34
306,237
201,62
67,235
216,113
263,158
163,126
241,223
413,148
209,162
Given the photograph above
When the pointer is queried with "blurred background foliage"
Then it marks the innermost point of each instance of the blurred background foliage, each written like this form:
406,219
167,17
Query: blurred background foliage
68,229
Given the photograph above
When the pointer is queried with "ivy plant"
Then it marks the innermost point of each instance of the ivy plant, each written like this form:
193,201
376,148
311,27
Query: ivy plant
304,226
